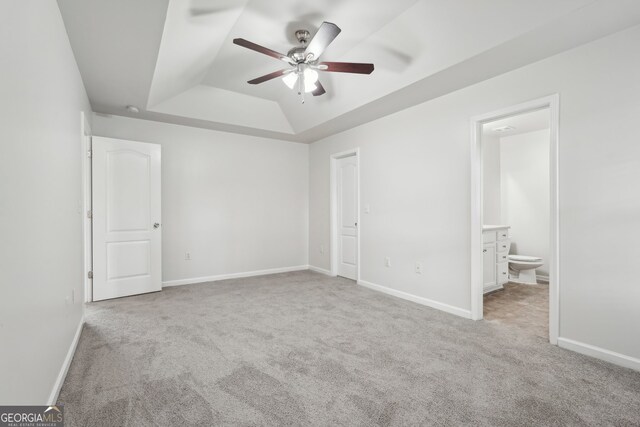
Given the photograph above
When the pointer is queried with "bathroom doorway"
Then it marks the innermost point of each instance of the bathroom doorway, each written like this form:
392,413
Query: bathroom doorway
515,219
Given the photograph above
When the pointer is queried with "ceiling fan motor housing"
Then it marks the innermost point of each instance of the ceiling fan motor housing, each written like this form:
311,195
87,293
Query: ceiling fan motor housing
297,53
303,36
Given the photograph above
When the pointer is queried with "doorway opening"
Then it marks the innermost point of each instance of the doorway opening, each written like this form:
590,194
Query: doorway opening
515,217
345,214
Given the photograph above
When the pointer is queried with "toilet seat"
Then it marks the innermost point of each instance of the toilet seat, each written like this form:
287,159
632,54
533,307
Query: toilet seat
524,258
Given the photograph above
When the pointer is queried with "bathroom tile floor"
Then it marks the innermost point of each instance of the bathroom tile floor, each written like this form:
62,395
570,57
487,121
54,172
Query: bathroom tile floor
525,307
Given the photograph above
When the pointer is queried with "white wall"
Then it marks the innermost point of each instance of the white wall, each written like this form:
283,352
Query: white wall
41,97
491,192
524,180
237,203
415,175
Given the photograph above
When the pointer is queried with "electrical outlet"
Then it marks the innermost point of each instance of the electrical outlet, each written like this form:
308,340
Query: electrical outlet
322,249
187,256
387,262
367,209
418,268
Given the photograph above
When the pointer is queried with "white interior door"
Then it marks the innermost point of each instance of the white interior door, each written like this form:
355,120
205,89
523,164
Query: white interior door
126,218
347,181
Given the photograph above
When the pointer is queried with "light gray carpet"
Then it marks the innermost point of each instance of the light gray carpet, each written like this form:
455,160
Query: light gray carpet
305,349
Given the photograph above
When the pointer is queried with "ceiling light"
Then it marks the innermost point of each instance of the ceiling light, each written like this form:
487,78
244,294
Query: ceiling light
133,109
309,87
310,75
310,79
503,129
290,80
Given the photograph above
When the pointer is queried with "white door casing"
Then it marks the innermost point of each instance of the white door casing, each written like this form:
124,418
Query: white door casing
347,198
126,218
551,102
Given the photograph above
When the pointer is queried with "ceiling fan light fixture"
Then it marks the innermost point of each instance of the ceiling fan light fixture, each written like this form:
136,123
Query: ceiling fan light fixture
309,86
310,75
290,80
310,78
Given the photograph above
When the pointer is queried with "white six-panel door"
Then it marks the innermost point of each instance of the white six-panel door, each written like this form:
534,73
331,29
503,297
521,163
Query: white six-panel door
126,218
347,182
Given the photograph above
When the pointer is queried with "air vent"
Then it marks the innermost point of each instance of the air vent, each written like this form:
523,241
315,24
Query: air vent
503,129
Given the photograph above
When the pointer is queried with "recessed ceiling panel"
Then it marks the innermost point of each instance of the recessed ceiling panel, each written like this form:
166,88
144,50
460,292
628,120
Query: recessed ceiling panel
224,106
175,59
194,32
273,23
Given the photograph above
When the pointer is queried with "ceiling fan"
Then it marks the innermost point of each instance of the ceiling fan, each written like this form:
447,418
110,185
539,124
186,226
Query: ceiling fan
304,62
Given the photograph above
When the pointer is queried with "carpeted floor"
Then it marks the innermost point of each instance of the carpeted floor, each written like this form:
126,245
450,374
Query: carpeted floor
522,307
305,349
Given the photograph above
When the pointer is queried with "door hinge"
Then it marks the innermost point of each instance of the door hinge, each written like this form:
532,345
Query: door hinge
89,153
90,214
90,275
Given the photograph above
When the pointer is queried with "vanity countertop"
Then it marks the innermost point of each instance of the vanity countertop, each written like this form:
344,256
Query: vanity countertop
494,227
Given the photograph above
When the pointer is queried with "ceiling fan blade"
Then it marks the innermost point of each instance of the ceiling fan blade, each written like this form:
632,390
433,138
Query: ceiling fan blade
346,67
319,89
262,49
323,38
269,76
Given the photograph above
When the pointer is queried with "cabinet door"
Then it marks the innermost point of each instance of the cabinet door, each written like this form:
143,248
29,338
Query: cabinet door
489,264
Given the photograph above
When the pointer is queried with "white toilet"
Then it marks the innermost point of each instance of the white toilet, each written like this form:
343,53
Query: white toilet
522,269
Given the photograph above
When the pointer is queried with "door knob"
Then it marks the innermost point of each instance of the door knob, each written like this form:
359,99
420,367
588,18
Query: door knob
156,225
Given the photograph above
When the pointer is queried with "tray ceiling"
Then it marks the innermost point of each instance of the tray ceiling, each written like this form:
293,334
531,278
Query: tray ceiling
175,60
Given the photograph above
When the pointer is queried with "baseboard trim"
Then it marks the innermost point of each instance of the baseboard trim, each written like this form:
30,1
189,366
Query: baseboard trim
320,270
420,300
492,289
600,353
218,277
53,397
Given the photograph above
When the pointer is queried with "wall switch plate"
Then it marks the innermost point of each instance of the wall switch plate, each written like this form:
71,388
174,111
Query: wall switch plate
387,262
418,268
321,249
187,256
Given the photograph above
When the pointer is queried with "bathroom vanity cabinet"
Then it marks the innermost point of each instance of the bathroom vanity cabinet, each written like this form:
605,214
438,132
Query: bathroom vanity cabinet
495,253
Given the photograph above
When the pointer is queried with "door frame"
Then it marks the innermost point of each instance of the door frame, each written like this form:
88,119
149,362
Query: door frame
552,103
333,206
87,228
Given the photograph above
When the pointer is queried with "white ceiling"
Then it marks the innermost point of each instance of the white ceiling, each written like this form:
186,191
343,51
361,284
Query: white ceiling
175,60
